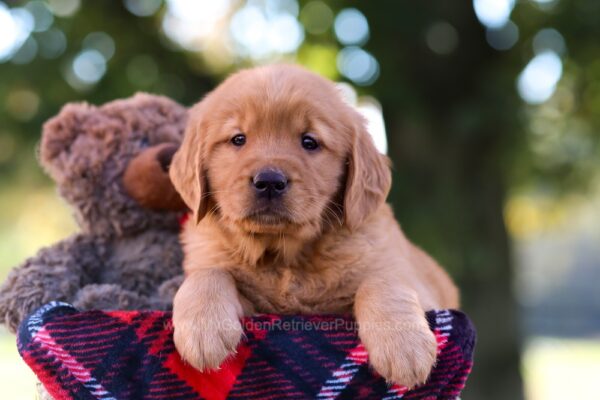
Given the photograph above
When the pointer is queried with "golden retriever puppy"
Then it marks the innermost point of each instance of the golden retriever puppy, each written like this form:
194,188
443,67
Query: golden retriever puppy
289,216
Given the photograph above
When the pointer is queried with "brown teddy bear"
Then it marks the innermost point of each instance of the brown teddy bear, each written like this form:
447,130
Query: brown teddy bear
109,163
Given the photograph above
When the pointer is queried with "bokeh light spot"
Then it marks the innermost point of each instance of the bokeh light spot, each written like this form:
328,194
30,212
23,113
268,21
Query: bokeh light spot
545,5
317,17
248,26
142,8
371,110
285,34
15,27
277,7
442,38
8,32
89,66
503,38
41,14
53,43
189,22
549,39
23,104
358,65
26,53
258,34
538,80
198,10
102,42
351,27
64,8
23,19
320,58
493,13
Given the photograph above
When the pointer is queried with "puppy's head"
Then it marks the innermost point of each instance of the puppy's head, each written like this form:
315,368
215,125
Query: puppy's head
276,150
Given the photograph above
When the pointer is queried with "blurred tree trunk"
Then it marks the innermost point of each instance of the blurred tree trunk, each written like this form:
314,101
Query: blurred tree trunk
453,127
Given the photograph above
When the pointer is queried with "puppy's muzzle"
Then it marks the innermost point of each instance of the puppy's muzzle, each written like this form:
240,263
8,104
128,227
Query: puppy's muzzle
270,184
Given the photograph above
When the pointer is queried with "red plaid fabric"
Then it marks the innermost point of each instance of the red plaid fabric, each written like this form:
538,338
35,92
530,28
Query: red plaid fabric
130,355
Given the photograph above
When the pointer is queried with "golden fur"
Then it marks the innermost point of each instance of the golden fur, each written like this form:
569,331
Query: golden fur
333,245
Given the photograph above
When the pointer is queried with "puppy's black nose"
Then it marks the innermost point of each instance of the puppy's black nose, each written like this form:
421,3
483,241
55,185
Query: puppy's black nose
270,183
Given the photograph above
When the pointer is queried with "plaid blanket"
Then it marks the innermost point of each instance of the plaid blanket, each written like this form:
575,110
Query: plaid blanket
130,355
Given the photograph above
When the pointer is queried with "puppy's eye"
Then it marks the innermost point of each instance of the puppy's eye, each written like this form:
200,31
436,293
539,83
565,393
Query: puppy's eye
309,142
239,139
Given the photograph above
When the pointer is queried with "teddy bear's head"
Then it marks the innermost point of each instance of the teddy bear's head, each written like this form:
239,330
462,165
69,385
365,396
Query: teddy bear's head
87,150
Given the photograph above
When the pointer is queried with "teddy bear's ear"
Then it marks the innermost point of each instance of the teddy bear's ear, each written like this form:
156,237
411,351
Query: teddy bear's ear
58,135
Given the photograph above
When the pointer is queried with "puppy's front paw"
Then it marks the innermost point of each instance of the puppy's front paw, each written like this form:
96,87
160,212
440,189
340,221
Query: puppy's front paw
208,338
402,355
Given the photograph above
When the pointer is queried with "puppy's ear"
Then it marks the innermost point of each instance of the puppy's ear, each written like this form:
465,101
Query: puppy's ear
368,177
186,171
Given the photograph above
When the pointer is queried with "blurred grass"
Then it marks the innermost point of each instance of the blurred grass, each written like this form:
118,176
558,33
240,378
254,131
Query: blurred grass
16,379
557,369
32,217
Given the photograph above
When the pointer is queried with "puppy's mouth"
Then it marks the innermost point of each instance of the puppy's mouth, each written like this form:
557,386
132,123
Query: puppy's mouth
269,216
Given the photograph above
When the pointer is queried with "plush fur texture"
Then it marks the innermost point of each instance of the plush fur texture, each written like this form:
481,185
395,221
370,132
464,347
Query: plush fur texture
330,244
146,179
125,256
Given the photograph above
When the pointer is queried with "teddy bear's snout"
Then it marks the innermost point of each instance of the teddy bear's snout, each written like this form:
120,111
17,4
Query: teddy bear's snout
146,179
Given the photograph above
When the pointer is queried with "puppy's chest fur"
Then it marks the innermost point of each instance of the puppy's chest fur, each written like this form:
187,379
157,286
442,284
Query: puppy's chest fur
323,280
295,289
